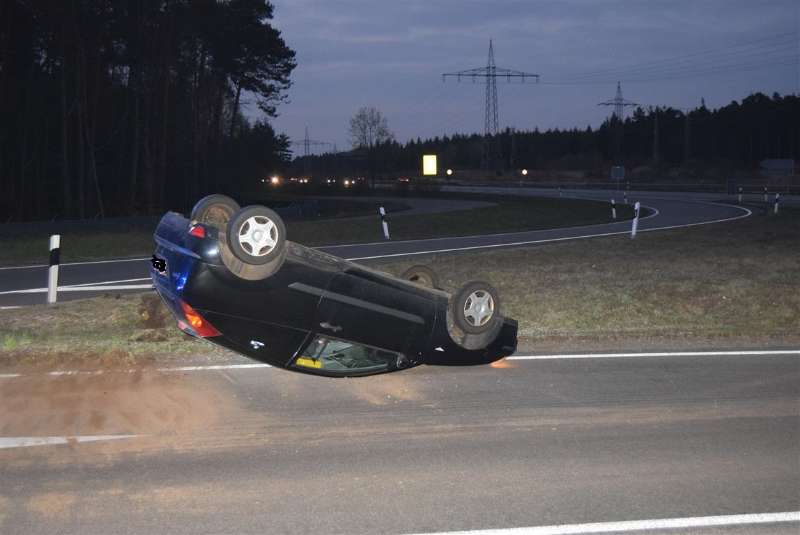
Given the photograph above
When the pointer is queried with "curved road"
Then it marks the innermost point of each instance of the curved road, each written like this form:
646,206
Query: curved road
532,445
24,285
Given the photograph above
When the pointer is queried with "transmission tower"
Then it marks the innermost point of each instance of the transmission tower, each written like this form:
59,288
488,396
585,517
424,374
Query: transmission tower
619,104
490,73
307,144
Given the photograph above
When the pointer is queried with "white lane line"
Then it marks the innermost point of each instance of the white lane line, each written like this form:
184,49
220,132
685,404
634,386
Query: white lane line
10,307
654,213
549,240
62,264
105,282
26,442
639,525
259,365
656,354
61,373
82,288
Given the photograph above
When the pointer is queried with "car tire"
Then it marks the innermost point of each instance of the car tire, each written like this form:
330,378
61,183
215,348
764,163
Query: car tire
214,210
256,235
422,275
475,307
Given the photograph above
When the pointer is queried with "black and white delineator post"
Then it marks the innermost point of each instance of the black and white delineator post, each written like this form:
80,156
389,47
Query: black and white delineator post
384,223
635,224
52,272
777,201
625,197
613,209
765,193
740,195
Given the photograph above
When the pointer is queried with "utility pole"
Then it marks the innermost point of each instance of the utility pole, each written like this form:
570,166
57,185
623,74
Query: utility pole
655,136
687,144
617,117
490,73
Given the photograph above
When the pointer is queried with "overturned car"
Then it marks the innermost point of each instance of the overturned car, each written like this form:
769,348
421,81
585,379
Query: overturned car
229,275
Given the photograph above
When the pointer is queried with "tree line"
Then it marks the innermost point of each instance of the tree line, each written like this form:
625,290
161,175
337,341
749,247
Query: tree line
737,136
133,106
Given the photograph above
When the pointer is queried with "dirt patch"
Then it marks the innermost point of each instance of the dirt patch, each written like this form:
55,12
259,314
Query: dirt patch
142,402
384,389
152,312
52,504
96,333
5,509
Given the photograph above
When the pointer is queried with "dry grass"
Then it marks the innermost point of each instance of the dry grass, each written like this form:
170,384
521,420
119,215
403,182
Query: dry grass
731,284
109,330
735,284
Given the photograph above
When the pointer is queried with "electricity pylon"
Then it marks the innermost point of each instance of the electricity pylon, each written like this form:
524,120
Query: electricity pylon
618,118
619,104
307,144
490,73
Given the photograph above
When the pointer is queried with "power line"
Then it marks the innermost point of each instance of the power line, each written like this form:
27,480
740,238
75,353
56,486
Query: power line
692,72
777,42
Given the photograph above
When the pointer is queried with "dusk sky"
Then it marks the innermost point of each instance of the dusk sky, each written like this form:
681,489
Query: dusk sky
391,55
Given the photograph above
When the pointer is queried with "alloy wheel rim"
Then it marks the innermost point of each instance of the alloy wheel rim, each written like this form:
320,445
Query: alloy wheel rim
258,236
478,308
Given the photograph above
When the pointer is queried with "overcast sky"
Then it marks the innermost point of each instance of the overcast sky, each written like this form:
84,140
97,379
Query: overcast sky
390,55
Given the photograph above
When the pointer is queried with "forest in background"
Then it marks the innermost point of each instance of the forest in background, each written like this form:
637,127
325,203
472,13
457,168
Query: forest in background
698,142
133,106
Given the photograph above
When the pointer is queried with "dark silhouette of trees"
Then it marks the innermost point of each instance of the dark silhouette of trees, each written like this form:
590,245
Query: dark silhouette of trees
734,137
132,106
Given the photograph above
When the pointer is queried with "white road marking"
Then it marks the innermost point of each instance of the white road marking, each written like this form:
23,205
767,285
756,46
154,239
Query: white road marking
92,287
654,213
76,263
260,365
10,307
656,354
82,288
106,282
549,240
639,525
26,442
215,367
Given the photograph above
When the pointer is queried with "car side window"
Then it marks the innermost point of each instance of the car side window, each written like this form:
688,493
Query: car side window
332,355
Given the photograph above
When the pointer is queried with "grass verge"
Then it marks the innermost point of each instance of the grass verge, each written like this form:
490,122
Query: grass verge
98,332
507,216
733,284
726,285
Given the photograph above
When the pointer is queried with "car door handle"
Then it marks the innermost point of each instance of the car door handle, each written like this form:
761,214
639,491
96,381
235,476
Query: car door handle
334,328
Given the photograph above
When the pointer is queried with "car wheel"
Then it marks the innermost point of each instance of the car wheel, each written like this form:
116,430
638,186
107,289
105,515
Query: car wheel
256,235
215,210
422,275
475,307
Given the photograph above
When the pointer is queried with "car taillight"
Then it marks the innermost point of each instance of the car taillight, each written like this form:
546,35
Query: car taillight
197,323
198,231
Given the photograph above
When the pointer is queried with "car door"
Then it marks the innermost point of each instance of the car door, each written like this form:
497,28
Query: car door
376,310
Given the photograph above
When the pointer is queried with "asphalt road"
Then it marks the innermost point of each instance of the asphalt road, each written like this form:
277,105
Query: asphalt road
522,443
24,285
